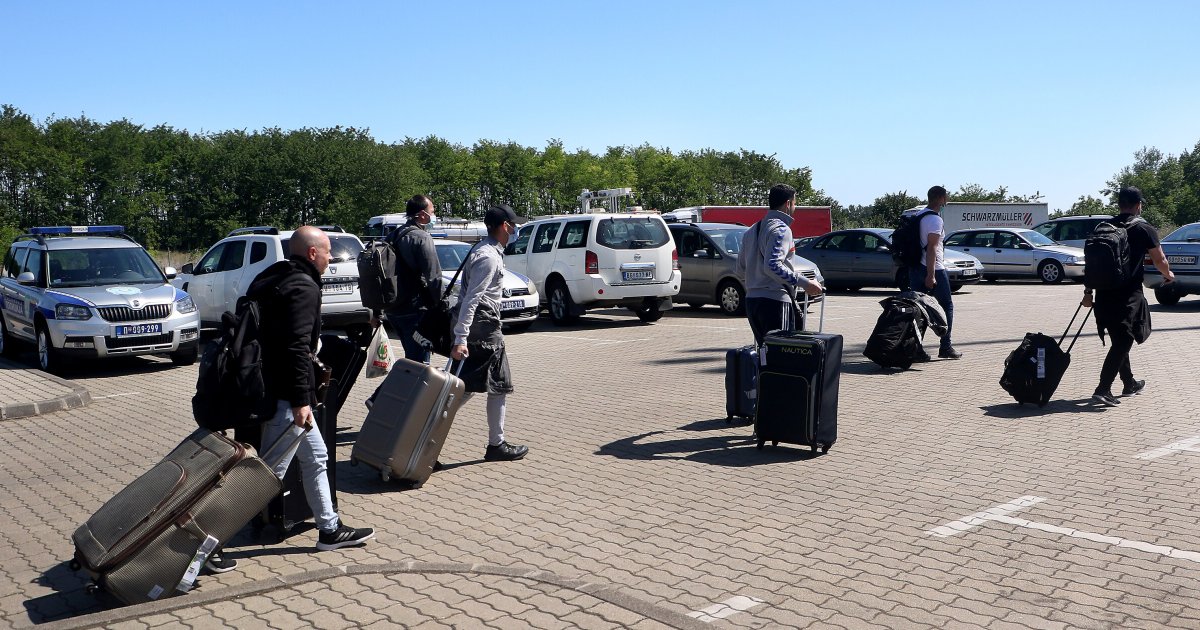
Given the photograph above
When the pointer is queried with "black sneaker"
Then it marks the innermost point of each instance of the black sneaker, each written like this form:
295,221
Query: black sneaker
343,536
1106,399
1134,388
949,353
218,563
505,452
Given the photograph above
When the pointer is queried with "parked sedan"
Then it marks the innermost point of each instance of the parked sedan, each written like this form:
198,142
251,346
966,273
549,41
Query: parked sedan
1017,253
707,256
1182,249
853,259
519,306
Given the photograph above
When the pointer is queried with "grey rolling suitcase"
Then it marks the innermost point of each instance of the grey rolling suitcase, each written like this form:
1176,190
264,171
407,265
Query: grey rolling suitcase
150,540
407,426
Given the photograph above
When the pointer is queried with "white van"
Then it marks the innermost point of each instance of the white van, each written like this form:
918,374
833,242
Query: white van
588,261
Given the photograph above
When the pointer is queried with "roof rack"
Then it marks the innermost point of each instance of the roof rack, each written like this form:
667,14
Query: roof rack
330,228
258,229
40,233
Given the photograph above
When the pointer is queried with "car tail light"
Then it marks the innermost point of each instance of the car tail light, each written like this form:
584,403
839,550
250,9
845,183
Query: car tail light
674,260
591,264
1148,260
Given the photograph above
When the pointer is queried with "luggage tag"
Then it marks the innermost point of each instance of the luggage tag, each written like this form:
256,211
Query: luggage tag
202,553
1041,363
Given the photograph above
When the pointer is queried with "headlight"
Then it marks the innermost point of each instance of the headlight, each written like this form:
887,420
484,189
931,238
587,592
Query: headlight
1071,260
185,305
70,311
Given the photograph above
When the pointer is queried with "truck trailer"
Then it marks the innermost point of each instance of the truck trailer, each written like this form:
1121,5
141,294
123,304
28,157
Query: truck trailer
966,215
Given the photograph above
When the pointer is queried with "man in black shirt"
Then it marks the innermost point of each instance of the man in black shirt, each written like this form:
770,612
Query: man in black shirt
1123,312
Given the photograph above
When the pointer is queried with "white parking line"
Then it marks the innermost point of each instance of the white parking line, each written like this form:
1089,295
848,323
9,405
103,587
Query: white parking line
1182,446
727,608
115,395
594,340
1000,514
709,327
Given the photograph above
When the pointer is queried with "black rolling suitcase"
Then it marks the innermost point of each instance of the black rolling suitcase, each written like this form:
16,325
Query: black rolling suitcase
798,387
741,382
896,340
1033,371
345,357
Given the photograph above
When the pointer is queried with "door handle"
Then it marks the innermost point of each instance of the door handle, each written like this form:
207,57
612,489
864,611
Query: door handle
999,251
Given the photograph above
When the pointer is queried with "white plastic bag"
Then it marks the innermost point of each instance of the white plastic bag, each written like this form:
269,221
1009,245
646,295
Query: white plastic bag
379,354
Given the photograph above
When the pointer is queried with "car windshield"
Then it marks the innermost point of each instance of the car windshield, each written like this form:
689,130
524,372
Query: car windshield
886,234
452,255
729,238
95,267
632,233
1037,239
1185,234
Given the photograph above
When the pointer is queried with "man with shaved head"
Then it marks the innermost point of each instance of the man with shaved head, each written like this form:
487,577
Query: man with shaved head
289,301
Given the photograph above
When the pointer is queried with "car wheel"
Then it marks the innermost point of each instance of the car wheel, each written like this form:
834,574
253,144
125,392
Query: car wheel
48,358
1050,271
186,356
1167,297
649,313
561,305
6,342
731,297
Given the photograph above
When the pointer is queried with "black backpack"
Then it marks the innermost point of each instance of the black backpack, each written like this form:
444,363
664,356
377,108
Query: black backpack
1107,262
231,391
377,284
907,248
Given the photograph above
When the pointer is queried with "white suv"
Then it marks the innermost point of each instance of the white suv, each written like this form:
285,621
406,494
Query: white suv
585,261
225,271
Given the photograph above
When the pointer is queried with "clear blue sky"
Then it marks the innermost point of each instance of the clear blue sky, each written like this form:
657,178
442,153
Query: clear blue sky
875,97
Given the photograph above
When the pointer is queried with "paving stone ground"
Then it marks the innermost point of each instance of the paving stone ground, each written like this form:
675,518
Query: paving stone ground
636,481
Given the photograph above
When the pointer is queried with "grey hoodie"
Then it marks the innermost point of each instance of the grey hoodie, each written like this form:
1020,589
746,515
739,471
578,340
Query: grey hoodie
765,262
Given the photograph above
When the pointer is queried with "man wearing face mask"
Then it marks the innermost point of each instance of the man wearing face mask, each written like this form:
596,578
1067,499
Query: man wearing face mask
478,340
418,275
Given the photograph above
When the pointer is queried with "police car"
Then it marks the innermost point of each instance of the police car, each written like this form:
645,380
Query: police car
91,291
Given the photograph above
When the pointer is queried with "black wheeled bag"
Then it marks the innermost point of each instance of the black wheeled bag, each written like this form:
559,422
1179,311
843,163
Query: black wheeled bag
798,385
150,540
1033,371
345,356
741,382
896,340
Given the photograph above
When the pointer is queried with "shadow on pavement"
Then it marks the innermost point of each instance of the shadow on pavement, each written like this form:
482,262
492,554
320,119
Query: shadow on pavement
69,599
716,450
873,369
1015,410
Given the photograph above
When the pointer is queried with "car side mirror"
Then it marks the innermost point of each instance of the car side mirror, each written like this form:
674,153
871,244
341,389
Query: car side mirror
170,273
189,268
883,248
1024,245
26,278
701,253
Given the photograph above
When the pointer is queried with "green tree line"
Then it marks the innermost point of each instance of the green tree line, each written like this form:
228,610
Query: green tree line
177,190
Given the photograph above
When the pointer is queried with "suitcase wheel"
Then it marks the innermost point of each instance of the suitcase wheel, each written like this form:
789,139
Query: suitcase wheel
385,475
774,442
353,461
92,588
824,448
729,420
74,564
761,443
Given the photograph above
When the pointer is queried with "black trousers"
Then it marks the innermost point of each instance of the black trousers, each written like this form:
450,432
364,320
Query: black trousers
1119,344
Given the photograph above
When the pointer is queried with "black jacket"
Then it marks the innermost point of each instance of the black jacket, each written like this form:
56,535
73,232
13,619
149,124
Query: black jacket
289,302
418,270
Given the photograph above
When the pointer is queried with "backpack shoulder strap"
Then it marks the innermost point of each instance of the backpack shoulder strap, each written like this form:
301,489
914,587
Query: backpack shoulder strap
458,272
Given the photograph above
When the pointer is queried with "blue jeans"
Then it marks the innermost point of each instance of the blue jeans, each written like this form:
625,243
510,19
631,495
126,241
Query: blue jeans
314,458
406,325
940,292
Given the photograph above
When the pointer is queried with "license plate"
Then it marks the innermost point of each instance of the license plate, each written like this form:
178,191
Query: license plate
637,275
511,305
1181,260
337,288
137,330
968,272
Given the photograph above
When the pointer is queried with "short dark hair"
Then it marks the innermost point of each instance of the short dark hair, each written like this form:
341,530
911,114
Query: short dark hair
417,205
935,193
779,195
1129,197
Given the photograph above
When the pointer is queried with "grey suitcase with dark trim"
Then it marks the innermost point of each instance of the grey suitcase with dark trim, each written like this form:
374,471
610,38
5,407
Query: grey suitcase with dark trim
149,541
407,426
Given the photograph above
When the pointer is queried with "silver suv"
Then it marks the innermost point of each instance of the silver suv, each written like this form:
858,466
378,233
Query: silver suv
1072,231
92,292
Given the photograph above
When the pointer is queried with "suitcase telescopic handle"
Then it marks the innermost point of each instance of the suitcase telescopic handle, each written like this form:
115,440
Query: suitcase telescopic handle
451,363
291,447
804,311
1077,332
